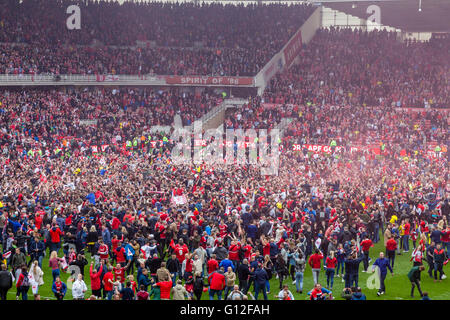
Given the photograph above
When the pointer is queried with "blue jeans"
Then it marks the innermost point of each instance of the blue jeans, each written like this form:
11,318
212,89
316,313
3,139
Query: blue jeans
267,285
382,286
214,292
55,273
174,278
227,290
24,292
406,242
299,281
340,267
40,261
259,287
446,246
235,265
438,268
351,280
376,235
330,277
109,294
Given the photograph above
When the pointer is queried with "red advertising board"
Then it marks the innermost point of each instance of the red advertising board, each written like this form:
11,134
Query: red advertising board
315,148
205,80
293,48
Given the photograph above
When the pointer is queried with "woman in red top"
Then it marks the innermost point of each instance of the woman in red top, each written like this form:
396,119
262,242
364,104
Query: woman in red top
53,263
330,265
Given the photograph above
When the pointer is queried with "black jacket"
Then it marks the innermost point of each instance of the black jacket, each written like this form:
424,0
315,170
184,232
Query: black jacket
5,279
198,285
92,237
154,264
243,272
352,265
80,263
173,265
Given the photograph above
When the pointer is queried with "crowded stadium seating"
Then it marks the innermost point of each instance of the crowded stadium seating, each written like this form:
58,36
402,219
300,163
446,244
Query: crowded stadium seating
365,127
211,39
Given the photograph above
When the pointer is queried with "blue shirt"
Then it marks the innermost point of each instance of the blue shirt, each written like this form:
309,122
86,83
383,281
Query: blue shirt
383,264
226,263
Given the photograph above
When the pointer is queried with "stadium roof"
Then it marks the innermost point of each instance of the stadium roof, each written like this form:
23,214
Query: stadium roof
401,14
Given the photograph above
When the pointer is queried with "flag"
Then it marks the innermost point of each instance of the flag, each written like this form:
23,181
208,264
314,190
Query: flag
6,255
143,253
179,200
64,264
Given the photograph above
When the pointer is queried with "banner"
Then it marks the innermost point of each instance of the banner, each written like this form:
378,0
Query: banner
315,148
109,77
293,48
240,144
276,105
88,122
205,80
178,200
422,109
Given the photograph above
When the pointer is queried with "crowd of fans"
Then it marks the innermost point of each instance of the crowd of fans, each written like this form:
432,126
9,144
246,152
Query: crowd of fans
41,119
353,87
353,67
234,225
233,229
234,40
362,126
47,59
155,229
